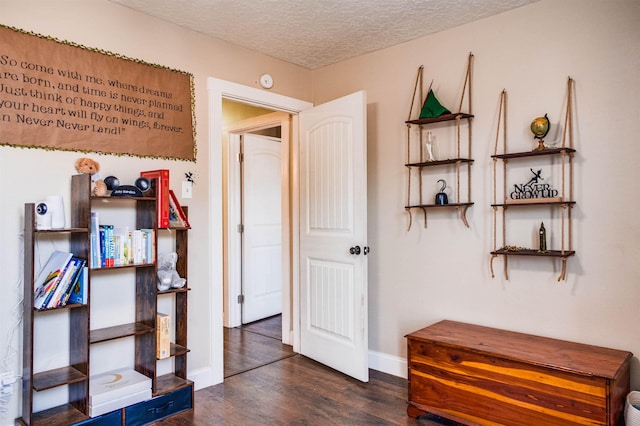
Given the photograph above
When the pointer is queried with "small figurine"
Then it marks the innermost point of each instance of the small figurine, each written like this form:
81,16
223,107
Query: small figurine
86,165
543,239
429,146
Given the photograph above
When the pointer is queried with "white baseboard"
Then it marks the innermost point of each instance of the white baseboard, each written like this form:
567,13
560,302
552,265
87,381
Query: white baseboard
202,378
389,364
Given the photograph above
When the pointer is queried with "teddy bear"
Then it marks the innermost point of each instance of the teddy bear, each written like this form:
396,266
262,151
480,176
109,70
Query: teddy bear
168,277
92,167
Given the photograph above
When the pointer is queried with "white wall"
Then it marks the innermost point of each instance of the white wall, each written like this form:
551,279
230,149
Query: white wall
442,272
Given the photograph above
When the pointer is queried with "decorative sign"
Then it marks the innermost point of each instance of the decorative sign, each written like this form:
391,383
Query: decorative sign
63,96
533,189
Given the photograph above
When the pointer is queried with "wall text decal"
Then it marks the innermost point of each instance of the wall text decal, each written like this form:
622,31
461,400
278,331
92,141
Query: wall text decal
63,96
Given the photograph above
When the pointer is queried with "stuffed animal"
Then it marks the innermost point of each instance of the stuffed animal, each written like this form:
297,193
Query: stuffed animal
92,167
168,277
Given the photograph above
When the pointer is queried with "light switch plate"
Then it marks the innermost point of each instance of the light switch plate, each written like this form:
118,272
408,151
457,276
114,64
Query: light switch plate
187,189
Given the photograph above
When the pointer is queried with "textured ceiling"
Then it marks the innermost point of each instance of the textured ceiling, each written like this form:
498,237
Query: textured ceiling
315,33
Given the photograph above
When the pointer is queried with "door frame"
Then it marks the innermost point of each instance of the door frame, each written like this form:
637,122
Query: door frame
233,265
217,90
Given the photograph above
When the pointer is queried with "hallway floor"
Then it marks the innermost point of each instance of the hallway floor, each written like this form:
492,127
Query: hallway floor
254,345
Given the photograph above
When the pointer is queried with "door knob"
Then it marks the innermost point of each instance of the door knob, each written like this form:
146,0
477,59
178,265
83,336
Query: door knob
366,250
355,250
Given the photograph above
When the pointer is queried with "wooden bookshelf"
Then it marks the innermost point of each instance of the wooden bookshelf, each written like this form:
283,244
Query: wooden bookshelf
76,374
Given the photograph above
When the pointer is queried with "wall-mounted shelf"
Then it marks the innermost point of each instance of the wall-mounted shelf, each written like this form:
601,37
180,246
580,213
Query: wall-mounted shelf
418,168
564,202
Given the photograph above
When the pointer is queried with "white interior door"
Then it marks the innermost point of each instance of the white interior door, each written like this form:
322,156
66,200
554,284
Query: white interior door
333,235
262,223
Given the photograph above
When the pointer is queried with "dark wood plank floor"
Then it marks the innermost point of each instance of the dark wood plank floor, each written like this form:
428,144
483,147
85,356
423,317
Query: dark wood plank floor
295,390
254,345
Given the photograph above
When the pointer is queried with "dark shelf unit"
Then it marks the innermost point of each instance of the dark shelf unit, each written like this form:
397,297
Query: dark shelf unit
530,252
76,375
528,154
441,118
459,162
179,348
565,204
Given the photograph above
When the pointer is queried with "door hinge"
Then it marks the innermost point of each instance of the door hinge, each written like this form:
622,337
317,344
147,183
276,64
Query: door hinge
241,298
240,157
240,228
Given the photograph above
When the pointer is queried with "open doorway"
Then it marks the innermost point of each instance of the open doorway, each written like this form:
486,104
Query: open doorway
260,225
257,284
348,116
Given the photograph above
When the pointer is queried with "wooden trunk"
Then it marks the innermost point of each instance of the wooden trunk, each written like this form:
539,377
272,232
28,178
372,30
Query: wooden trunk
480,375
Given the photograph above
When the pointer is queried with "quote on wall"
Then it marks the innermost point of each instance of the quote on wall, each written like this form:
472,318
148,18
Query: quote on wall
59,95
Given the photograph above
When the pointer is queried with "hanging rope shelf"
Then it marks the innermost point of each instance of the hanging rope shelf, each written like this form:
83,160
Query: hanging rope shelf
564,201
426,158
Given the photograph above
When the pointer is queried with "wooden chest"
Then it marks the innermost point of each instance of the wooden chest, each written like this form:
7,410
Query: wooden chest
480,375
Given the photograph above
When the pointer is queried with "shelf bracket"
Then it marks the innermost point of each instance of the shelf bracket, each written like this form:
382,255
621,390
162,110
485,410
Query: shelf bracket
410,219
493,256
424,212
506,268
463,215
563,274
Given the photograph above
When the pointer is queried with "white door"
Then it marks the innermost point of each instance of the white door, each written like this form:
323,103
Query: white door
333,235
262,235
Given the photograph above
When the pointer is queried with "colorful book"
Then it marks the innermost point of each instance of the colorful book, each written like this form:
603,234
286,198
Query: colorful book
74,281
162,194
79,291
96,261
71,272
49,277
149,237
109,247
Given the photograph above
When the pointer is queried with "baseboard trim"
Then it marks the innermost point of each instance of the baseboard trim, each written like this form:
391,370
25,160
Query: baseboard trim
388,364
202,378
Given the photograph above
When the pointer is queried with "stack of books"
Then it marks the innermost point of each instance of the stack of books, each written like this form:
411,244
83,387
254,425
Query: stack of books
111,246
62,280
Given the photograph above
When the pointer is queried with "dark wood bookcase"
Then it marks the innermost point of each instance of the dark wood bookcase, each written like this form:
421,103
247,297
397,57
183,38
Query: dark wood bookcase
82,336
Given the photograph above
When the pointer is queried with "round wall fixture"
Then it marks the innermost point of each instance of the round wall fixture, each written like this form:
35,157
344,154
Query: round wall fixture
266,81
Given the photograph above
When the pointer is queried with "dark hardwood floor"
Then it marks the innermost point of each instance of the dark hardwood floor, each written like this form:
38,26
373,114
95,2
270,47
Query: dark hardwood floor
254,345
290,389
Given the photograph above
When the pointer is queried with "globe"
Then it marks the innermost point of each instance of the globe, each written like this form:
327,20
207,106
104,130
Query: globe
540,127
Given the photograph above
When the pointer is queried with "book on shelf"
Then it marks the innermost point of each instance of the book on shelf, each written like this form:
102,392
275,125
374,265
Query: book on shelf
162,194
49,277
107,248
163,336
149,245
96,261
121,246
177,218
72,270
79,289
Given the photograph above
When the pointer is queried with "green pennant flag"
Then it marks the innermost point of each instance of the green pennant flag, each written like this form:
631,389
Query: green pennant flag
432,107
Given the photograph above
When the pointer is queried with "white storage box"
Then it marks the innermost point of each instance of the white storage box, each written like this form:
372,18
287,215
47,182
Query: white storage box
116,404
116,389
